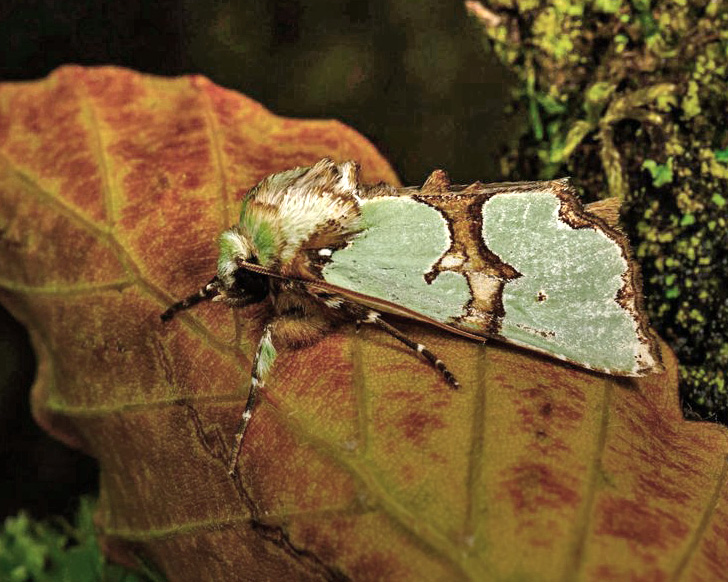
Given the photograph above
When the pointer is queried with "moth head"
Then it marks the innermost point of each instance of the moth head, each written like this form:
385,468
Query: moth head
234,283
280,217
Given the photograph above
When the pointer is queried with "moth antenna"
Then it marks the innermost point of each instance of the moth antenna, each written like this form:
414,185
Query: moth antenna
205,293
375,318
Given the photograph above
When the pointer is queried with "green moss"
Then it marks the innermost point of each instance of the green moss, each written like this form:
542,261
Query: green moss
641,94
691,101
722,155
672,292
607,6
687,220
661,173
546,27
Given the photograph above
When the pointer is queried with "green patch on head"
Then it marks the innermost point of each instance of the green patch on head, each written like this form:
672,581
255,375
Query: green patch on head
265,241
261,233
255,226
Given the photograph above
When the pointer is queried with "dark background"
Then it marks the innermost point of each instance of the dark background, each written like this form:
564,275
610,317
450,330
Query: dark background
411,75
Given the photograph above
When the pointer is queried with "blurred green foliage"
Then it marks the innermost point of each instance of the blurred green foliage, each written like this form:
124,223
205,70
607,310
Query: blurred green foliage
661,174
33,551
630,97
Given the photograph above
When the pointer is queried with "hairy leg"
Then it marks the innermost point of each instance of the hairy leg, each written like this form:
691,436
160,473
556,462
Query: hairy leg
209,291
374,318
289,329
265,355
361,314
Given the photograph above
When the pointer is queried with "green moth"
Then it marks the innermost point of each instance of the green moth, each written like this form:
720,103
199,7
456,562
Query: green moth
522,262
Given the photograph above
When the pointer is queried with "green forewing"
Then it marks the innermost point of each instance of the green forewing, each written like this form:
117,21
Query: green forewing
401,241
565,300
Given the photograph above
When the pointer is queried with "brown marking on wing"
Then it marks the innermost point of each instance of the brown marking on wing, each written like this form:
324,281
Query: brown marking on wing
485,273
607,210
307,263
491,278
436,183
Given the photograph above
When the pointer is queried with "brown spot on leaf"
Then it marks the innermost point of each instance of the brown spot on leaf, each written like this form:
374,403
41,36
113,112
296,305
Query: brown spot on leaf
533,485
416,426
638,523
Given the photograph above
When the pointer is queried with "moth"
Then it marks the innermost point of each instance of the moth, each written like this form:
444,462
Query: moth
522,262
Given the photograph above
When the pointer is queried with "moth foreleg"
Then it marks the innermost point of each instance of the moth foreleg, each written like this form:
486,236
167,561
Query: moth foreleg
375,318
206,293
265,355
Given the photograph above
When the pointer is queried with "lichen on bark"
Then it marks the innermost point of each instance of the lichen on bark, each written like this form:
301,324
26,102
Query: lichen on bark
630,99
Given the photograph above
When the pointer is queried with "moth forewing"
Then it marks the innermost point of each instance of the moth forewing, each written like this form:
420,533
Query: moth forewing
522,262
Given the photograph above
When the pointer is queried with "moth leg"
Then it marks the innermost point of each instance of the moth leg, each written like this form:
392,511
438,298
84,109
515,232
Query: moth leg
204,294
375,318
265,355
362,314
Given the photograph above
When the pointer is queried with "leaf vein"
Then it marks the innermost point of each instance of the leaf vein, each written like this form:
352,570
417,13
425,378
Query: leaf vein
419,530
476,457
213,130
124,258
704,521
574,566
98,150
63,291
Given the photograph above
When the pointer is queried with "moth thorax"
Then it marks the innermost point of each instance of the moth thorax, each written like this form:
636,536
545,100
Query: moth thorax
303,215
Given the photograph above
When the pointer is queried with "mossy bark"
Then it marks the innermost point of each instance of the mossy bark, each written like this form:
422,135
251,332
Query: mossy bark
631,100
